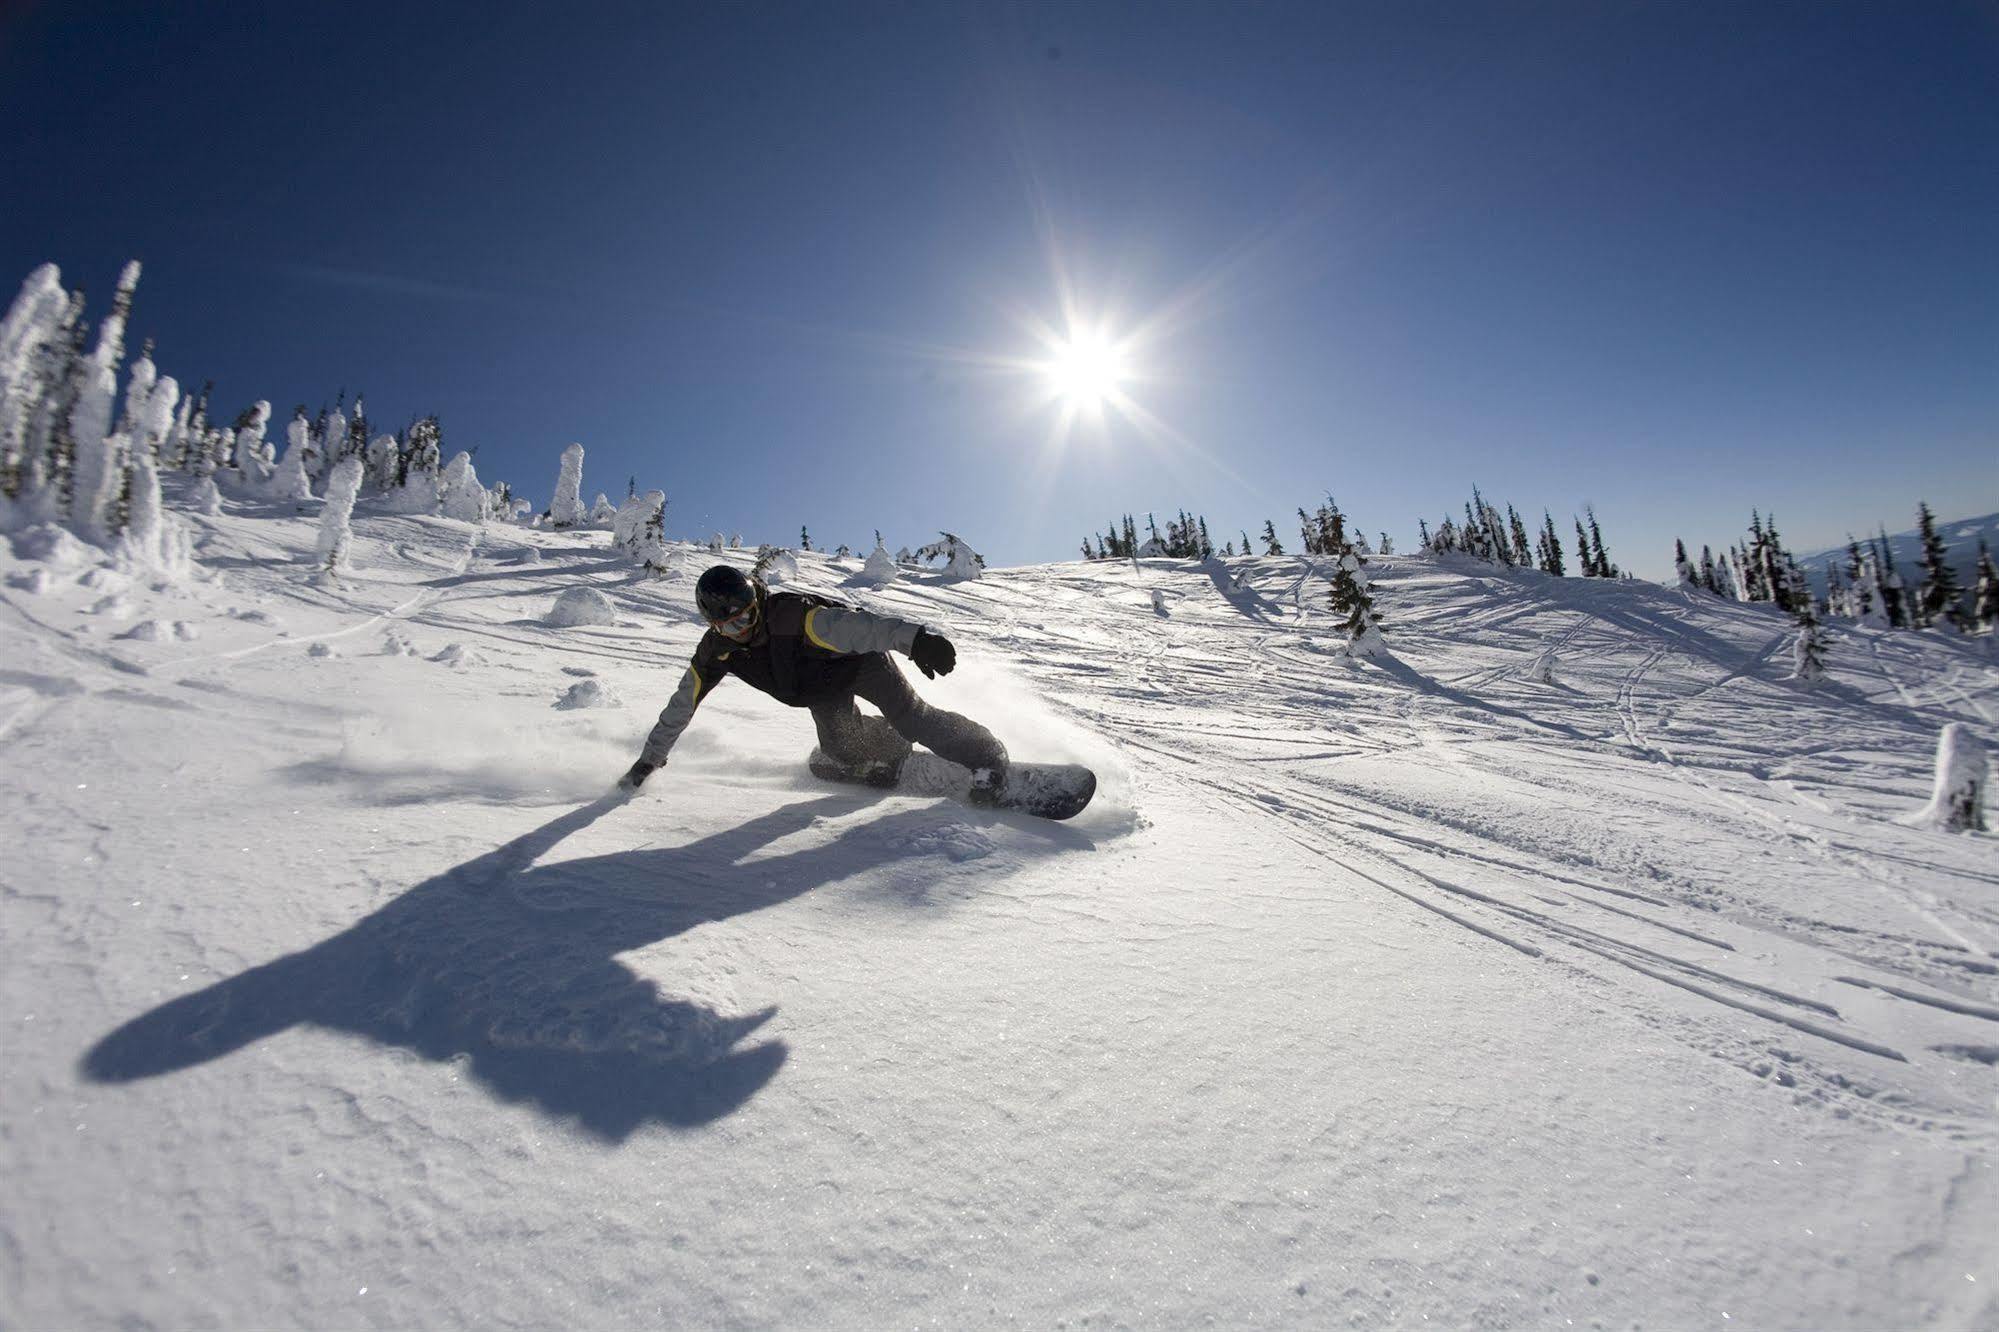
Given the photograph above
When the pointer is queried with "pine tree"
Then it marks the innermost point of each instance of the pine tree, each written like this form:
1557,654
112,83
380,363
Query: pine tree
1681,565
1423,535
1985,593
1604,568
1551,546
1938,599
1895,599
1271,545
1245,543
1809,649
1582,551
804,539
1207,546
1521,554
1353,602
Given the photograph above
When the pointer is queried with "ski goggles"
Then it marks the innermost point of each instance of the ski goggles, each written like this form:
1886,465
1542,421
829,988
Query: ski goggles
735,626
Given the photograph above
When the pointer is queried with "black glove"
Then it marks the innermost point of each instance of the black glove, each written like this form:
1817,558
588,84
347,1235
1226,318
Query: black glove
636,777
933,654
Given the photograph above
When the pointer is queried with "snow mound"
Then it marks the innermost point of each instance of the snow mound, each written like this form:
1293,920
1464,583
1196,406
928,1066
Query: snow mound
104,580
322,650
35,581
395,645
53,546
160,631
581,606
525,555
114,605
588,694
458,657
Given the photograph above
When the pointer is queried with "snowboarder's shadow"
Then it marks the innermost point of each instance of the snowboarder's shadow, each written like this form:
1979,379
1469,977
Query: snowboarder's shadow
510,968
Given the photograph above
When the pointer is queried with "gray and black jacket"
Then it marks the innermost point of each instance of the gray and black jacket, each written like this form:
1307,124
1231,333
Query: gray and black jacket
805,650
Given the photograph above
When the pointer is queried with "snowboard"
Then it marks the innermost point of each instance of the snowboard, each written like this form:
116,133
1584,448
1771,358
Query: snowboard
1045,790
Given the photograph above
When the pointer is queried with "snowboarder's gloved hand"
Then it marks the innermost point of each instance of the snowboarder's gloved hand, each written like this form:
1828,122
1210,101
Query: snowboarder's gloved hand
933,654
635,778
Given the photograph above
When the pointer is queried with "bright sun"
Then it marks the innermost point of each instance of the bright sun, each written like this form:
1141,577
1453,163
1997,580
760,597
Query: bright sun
1086,371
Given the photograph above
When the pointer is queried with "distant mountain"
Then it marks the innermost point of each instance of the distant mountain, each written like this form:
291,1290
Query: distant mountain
1961,538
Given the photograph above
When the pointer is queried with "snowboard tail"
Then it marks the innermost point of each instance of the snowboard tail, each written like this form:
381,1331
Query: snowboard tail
1045,790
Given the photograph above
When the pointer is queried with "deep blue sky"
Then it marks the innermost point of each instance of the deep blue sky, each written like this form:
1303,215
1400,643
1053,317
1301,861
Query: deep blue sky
1676,260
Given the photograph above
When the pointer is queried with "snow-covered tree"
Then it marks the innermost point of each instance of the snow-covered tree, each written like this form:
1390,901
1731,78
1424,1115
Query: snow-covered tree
251,452
334,536
640,531
1957,798
566,509
1985,593
1808,649
32,331
331,436
961,561
422,470
461,494
384,463
154,542
880,568
1682,566
1863,594
156,423
98,475
603,513
138,388
1938,601
1550,552
293,479
1354,603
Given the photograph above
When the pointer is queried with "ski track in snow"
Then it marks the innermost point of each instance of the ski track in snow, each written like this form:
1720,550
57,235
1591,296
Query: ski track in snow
1367,991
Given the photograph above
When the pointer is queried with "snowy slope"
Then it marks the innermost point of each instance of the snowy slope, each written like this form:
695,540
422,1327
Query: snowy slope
1374,994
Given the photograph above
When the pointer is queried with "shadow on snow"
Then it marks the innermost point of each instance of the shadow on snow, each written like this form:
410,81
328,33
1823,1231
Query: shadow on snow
511,967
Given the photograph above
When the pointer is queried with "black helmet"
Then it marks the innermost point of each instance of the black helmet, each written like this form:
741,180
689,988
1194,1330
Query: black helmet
723,593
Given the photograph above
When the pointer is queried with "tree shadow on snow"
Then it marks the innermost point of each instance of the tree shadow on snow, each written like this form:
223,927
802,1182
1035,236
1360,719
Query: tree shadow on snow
511,967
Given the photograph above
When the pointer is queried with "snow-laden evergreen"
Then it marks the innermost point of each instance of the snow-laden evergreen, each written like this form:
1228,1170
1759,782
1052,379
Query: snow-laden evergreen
335,540
639,529
252,450
153,542
960,560
293,479
1957,797
566,509
881,568
460,494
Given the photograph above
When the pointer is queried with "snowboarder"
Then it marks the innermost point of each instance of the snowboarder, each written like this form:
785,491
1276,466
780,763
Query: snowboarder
809,652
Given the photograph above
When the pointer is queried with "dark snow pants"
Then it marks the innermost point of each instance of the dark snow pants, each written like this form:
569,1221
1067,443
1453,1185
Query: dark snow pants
851,738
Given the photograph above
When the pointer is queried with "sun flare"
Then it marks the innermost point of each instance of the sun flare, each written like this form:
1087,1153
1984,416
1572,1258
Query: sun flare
1086,371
